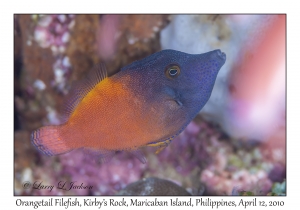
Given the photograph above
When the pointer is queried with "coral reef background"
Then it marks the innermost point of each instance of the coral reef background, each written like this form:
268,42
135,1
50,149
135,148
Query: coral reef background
53,51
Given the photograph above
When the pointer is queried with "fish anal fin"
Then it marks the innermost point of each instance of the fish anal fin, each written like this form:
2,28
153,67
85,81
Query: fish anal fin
81,88
139,155
104,156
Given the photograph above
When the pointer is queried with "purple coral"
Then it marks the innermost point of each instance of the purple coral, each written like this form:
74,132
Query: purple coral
53,31
188,150
105,178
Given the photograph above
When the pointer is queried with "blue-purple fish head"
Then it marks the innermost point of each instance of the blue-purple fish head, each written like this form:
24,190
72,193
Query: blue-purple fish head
198,75
178,83
196,78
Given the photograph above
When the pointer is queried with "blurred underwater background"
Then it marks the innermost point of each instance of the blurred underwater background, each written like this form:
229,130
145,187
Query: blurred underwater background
235,146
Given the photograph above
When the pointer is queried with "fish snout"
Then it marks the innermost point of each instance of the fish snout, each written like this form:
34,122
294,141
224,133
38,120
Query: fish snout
218,57
221,54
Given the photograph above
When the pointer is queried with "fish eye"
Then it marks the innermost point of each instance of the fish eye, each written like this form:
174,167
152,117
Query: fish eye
172,71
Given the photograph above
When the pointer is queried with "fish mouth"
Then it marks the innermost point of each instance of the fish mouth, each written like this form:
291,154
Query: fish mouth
221,55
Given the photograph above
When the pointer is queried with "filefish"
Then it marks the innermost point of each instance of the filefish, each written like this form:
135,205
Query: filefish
147,103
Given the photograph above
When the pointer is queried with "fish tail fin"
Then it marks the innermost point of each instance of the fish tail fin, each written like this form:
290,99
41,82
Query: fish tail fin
49,141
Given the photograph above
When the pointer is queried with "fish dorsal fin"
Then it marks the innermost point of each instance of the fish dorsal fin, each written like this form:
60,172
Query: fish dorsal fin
82,88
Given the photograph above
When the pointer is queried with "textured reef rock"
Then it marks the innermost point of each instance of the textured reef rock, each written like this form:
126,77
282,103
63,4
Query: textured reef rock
153,186
202,155
99,178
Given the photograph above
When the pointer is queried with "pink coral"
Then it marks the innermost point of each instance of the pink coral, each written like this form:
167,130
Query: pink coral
105,178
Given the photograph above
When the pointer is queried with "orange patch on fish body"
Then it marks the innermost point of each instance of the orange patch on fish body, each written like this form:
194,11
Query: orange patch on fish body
107,119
